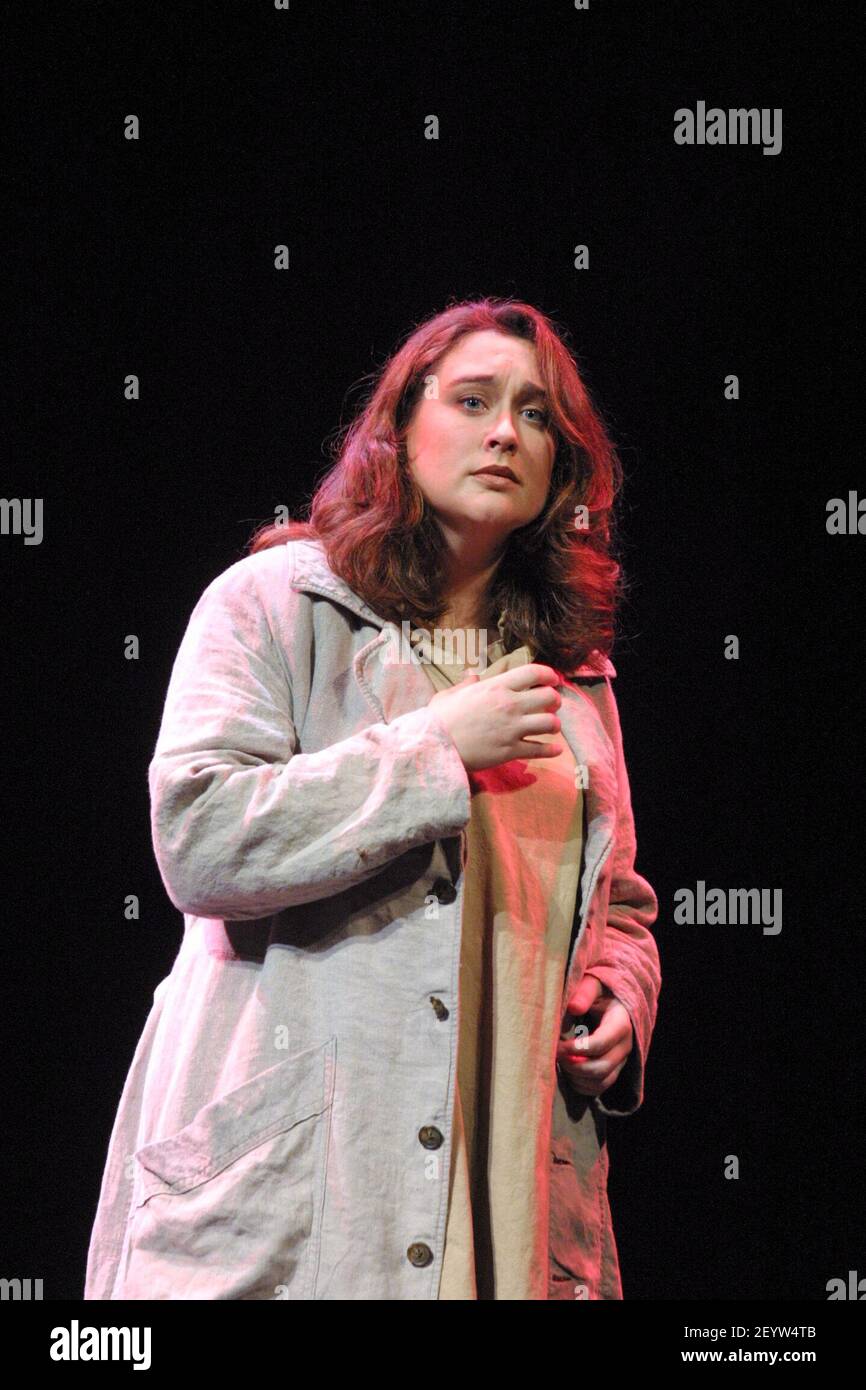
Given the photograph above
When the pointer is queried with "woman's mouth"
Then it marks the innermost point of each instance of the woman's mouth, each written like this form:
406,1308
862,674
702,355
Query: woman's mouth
496,475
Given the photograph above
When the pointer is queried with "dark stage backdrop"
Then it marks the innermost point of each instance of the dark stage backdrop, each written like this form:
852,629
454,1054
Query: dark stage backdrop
155,257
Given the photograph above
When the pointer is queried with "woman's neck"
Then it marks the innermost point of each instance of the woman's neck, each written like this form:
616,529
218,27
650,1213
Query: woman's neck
467,599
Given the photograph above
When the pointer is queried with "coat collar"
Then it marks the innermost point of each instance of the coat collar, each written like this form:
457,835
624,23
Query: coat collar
312,573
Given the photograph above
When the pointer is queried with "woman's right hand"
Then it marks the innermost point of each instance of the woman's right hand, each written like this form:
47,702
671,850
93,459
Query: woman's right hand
489,720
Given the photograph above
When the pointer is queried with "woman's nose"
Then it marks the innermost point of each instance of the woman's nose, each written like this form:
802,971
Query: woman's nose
504,430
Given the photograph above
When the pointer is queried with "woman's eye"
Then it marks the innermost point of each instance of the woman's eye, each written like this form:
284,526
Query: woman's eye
545,417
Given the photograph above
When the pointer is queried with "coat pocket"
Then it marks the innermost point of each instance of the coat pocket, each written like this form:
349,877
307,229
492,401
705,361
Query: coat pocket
230,1206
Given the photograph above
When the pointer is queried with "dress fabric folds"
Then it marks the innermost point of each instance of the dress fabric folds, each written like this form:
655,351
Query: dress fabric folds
525,840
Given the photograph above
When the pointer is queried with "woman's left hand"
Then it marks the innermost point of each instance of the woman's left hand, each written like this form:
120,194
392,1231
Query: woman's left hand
593,1061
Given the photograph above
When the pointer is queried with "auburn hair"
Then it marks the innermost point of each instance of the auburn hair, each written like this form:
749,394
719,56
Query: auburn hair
558,582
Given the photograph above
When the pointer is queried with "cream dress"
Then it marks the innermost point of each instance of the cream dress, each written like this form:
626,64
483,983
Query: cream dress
525,842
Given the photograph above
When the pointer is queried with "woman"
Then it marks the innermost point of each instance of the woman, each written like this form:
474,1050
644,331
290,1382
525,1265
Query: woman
417,973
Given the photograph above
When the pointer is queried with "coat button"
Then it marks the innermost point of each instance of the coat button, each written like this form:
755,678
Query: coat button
439,1008
430,1136
444,890
420,1254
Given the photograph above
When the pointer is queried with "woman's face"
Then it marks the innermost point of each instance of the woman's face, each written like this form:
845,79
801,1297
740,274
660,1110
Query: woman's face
486,408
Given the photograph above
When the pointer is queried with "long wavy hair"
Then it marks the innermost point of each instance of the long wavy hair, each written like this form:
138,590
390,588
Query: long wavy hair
558,582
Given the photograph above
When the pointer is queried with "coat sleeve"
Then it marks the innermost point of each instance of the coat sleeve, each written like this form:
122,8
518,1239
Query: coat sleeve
243,825
628,963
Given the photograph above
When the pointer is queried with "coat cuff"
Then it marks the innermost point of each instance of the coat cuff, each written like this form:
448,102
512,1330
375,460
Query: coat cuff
625,1096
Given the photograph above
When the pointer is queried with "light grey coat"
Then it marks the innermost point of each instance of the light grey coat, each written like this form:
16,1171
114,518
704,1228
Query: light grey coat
285,1128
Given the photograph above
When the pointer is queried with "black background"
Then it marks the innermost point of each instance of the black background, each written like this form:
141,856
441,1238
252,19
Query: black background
306,127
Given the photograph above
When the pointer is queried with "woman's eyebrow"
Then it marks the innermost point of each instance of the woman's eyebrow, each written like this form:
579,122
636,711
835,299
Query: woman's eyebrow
531,388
